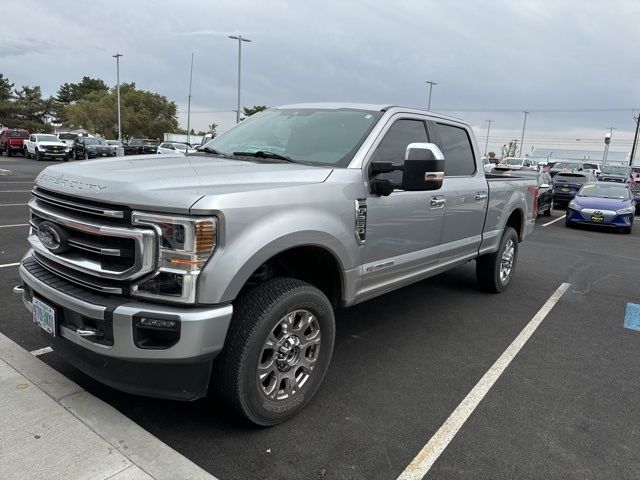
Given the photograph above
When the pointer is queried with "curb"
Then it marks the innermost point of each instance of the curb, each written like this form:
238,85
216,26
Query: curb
143,449
5,172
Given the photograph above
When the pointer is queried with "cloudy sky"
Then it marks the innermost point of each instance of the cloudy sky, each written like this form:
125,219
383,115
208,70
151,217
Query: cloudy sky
491,59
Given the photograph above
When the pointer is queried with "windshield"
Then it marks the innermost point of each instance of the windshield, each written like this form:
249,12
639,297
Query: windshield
617,170
513,161
47,138
94,141
68,136
139,141
569,178
314,136
18,133
604,191
566,166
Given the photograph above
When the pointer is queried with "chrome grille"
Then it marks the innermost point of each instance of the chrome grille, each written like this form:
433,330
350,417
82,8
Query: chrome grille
102,253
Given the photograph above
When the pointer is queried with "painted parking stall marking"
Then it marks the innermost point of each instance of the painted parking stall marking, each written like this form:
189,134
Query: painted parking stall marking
41,351
9,265
425,459
553,221
632,317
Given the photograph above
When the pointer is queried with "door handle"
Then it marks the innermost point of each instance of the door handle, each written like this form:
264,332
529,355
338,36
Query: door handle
437,202
481,196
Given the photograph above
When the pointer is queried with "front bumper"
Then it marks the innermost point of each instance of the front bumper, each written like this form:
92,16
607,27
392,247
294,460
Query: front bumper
180,371
618,221
54,154
94,154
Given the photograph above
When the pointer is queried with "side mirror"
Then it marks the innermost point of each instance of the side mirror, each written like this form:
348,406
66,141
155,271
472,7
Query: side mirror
423,167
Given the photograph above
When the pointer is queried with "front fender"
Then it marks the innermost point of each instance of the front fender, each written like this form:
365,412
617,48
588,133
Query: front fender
236,260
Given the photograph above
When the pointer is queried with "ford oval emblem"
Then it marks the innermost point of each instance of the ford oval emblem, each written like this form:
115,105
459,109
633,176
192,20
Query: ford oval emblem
53,237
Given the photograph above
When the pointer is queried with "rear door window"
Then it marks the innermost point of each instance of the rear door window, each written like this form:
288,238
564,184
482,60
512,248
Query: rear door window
458,153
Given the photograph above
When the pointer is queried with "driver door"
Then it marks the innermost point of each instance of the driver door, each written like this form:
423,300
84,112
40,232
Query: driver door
404,228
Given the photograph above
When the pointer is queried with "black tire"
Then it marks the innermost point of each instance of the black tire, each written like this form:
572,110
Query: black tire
258,314
86,155
626,230
547,213
38,156
9,152
488,267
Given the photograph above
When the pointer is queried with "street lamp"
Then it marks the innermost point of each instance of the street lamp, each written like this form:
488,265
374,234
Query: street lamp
607,141
486,143
431,83
117,57
240,39
524,124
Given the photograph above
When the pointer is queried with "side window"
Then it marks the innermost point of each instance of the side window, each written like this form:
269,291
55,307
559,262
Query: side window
393,146
170,146
33,138
458,154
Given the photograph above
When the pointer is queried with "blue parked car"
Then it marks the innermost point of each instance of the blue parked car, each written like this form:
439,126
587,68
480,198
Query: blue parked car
566,184
602,203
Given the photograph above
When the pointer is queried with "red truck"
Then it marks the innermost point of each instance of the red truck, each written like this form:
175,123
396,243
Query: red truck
12,141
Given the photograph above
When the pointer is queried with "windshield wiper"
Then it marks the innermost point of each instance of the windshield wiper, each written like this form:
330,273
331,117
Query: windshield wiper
265,154
210,150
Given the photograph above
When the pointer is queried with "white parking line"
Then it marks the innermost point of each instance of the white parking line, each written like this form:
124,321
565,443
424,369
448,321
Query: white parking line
420,465
14,191
553,221
11,204
15,225
41,351
10,265
15,183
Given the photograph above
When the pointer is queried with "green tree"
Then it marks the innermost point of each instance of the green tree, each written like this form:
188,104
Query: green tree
248,111
143,113
69,93
510,149
31,111
213,128
7,107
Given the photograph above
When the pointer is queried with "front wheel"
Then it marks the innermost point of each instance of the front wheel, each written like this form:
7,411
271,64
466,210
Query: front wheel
278,350
38,156
547,213
494,270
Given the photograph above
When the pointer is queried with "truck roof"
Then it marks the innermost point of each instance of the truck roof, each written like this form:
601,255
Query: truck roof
369,107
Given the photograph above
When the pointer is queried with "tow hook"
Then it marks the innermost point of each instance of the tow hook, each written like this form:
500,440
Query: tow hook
18,289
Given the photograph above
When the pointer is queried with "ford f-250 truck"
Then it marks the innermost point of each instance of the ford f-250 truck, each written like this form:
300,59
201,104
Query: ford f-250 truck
165,275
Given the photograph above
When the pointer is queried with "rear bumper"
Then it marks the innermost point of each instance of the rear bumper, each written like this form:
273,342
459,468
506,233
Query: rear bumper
563,197
180,371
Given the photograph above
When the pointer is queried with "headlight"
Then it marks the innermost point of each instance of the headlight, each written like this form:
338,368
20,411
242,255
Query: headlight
627,210
574,205
185,245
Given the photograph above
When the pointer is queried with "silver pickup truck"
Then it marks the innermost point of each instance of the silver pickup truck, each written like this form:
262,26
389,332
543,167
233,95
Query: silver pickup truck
165,275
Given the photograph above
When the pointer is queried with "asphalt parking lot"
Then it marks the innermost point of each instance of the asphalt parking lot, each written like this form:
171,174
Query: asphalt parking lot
565,407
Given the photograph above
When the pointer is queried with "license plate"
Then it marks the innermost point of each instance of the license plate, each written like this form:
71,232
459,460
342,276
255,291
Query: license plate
104,154
566,189
597,218
44,316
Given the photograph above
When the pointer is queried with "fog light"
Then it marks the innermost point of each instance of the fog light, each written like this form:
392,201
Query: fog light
163,284
158,323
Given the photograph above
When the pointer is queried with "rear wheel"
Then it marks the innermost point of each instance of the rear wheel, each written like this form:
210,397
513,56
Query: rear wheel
547,213
494,271
278,350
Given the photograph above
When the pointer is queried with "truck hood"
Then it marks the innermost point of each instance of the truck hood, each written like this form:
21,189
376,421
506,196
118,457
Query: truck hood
170,183
51,144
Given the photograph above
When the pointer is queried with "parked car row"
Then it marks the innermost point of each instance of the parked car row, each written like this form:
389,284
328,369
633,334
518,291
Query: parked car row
610,200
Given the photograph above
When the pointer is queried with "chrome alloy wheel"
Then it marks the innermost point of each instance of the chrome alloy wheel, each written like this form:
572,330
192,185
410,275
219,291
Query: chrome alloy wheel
289,355
506,263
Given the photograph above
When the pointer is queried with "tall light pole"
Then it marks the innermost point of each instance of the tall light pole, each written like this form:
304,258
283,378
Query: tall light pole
486,143
117,57
431,83
524,124
240,39
634,146
189,104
